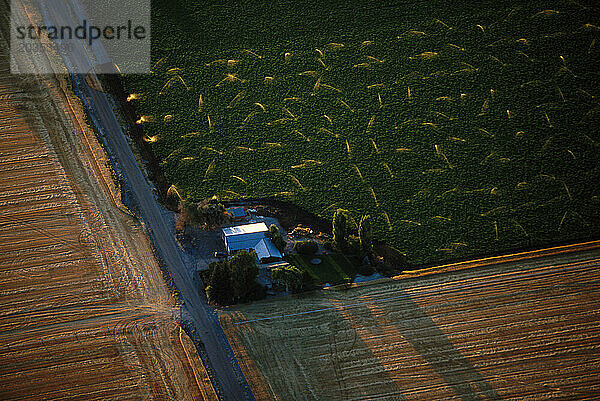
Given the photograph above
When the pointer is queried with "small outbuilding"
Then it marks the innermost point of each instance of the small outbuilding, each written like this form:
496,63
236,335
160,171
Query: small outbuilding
238,213
251,237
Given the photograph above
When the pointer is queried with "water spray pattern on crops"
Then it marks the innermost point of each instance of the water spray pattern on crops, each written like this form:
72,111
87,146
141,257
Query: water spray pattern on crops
458,137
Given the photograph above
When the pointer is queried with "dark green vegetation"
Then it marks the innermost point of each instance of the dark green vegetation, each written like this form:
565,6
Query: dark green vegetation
365,235
293,278
306,247
209,213
349,237
333,269
340,226
276,237
234,280
461,130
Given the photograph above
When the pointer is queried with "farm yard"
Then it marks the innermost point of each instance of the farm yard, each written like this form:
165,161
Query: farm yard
524,329
462,132
85,311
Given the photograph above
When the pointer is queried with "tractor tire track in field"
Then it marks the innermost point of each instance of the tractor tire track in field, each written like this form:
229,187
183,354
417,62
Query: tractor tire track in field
118,279
85,309
522,326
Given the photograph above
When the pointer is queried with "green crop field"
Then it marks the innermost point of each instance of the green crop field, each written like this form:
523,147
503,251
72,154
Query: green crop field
462,131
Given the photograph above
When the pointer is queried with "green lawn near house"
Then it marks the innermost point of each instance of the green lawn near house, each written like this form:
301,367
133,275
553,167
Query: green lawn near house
333,269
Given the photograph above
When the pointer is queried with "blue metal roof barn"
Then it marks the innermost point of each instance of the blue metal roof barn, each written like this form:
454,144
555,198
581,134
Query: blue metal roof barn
251,237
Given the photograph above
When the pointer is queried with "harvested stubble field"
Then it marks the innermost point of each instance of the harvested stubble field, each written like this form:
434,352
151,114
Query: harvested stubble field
463,130
84,310
525,330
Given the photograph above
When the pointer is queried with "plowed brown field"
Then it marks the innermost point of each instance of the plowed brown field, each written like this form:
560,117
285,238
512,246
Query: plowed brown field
528,328
84,310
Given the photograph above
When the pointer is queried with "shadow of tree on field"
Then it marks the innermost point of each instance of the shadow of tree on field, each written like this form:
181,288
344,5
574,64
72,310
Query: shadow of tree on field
347,348
422,333
324,348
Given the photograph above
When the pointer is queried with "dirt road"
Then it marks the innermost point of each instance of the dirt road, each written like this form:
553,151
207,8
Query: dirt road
223,364
230,380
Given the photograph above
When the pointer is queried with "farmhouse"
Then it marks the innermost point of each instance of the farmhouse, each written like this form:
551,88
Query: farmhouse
251,237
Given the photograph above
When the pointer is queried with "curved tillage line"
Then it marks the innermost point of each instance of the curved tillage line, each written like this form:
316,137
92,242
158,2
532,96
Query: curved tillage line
59,239
512,330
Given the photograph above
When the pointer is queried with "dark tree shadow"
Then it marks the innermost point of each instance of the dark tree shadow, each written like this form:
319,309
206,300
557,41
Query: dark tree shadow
421,332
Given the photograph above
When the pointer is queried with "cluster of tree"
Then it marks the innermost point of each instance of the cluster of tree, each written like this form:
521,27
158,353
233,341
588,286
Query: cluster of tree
306,247
276,238
233,280
349,237
294,279
210,213
390,260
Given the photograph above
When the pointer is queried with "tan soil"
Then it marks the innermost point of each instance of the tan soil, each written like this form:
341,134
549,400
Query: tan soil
522,328
84,310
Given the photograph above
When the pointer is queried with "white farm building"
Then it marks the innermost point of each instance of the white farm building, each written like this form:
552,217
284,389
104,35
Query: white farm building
251,237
